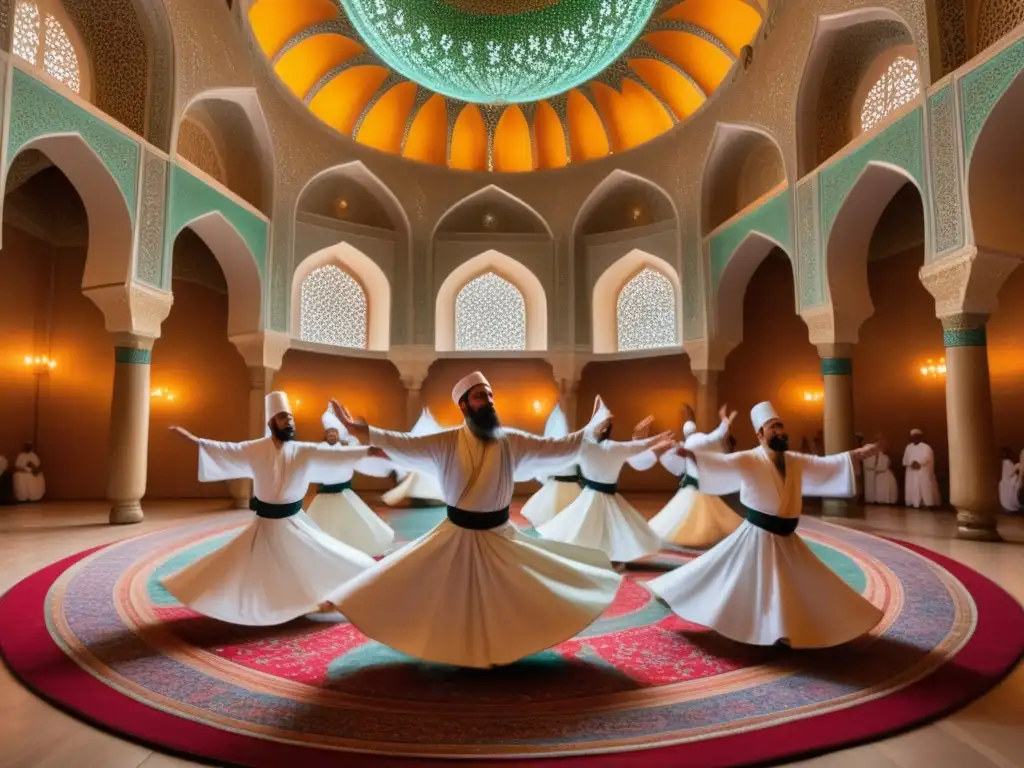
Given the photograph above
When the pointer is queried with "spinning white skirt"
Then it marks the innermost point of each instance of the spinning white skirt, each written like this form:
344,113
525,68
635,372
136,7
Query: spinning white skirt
603,521
759,588
694,519
347,518
479,598
273,571
415,485
553,497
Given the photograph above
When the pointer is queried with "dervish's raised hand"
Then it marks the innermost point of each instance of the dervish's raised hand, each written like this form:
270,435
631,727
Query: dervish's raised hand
725,415
665,445
184,433
355,428
641,430
867,451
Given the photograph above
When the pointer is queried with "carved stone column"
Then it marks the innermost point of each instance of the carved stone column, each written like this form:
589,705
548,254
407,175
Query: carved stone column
966,286
567,369
129,428
707,361
413,364
707,400
837,372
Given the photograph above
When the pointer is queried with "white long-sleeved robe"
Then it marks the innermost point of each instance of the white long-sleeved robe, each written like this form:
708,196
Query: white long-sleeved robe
870,467
413,486
693,518
760,588
346,517
555,494
28,486
272,571
479,598
920,488
1008,486
606,521
886,489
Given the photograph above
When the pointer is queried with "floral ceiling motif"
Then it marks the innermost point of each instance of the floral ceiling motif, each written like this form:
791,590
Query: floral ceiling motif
504,85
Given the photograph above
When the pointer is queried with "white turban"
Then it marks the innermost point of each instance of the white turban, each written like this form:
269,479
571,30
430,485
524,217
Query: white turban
916,432
761,414
600,415
689,428
330,421
275,403
466,384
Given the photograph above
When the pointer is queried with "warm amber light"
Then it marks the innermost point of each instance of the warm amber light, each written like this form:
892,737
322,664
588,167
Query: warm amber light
813,397
933,370
162,393
537,405
40,363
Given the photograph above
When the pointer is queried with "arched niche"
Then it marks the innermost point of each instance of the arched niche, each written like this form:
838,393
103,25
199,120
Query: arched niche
224,134
351,194
366,273
110,227
524,280
743,164
845,47
732,285
236,261
492,211
623,201
849,242
608,288
994,195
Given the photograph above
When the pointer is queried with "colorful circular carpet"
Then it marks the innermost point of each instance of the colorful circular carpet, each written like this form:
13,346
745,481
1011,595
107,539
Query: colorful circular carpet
98,635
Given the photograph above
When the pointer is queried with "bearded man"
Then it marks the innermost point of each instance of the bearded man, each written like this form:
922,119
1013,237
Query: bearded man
474,591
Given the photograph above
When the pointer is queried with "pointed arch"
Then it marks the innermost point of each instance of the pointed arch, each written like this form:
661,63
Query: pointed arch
358,173
513,214
367,274
111,230
743,163
732,285
616,181
848,242
245,289
524,280
609,286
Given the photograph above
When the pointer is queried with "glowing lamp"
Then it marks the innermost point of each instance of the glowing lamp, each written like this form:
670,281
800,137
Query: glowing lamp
162,393
40,364
636,212
814,397
933,370
537,405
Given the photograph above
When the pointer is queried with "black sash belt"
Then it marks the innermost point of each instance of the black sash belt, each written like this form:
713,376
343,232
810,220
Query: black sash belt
780,526
334,487
477,521
686,481
574,479
609,488
274,511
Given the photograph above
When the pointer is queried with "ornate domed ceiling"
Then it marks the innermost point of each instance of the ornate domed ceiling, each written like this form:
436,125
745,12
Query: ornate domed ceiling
504,85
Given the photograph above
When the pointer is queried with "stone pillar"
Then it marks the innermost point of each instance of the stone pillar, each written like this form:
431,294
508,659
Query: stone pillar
413,364
129,428
567,369
837,372
707,400
973,459
261,382
413,399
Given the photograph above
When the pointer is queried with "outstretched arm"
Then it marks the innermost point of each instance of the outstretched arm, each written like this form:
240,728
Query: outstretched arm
323,462
219,460
720,473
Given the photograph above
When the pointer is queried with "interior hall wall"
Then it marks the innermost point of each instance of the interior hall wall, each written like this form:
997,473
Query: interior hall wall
632,390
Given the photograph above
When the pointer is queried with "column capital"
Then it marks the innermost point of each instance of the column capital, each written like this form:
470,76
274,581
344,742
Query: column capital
262,350
964,330
133,349
836,359
413,363
132,308
567,369
827,325
968,281
706,376
708,354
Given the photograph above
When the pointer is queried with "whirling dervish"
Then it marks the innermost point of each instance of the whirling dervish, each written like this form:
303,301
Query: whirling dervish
280,566
886,489
762,585
692,518
600,518
561,487
420,489
338,510
474,591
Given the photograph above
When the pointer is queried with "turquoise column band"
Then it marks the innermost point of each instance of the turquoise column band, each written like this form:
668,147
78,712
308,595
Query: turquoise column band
133,355
964,337
836,366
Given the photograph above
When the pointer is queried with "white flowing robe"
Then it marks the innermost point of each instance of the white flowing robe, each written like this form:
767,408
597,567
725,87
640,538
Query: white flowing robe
920,488
870,466
272,571
1008,486
606,521
346,517
887,490
27,486
760,588
479,598
413,486
554,494
693,518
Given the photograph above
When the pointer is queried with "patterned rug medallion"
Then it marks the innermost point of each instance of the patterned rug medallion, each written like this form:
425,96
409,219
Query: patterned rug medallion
98,635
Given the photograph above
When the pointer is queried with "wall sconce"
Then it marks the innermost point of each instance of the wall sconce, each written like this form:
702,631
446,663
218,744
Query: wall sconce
162,393
537,405
933,370
341,206
40,364
814,397
636,213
